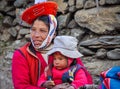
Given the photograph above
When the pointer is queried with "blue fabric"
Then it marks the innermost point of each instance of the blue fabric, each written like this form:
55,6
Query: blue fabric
69,75
103,86
111,78
114,83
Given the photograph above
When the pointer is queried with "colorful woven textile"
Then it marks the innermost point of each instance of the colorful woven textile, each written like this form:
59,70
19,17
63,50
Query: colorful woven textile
111,78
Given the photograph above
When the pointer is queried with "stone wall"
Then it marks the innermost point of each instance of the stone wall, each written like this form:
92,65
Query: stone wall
95,23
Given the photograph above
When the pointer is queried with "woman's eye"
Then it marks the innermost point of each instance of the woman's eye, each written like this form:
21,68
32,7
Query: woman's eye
32,29
42,30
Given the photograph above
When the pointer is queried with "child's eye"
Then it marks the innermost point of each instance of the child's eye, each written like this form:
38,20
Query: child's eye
60,58
54,58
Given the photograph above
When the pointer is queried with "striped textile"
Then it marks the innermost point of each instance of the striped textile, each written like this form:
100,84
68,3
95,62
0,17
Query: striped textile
111,78
39,1
52,30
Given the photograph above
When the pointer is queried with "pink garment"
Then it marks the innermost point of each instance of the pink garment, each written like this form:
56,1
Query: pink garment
80,78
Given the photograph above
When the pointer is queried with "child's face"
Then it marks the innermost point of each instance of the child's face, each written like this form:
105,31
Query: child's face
60,61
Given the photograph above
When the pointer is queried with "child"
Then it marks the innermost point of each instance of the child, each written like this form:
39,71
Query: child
65,65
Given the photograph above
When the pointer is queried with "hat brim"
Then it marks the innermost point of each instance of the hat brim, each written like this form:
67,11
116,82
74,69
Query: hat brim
40,9
67,53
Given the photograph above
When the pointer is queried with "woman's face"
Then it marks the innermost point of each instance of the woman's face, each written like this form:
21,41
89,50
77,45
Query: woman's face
39,32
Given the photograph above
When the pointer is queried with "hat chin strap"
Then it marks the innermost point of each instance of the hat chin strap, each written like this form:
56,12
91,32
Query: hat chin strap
52,30
39,1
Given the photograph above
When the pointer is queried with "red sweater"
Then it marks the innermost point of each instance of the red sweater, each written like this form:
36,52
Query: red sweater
27,66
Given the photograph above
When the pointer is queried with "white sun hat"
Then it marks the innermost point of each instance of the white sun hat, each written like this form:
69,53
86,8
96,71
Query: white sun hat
66,45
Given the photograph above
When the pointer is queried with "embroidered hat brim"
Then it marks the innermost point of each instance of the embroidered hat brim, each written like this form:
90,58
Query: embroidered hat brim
40,9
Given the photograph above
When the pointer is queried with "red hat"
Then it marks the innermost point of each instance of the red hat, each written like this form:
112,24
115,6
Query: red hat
40,9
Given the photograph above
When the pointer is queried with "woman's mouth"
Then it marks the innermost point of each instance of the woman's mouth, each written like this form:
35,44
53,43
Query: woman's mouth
37,43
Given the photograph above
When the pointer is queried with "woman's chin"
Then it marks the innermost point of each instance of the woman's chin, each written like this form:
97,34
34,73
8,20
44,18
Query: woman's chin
37,46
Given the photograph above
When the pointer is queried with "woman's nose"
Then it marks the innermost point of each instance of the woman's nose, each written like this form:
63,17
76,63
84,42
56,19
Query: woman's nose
37,34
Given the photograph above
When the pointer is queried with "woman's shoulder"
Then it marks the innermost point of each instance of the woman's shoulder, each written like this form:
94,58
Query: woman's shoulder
21,49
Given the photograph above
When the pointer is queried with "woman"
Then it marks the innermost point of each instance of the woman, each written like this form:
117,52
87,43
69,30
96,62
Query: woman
29,61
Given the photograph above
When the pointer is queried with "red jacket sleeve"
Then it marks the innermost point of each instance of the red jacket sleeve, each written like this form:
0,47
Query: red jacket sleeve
80,79
20,72
41,80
